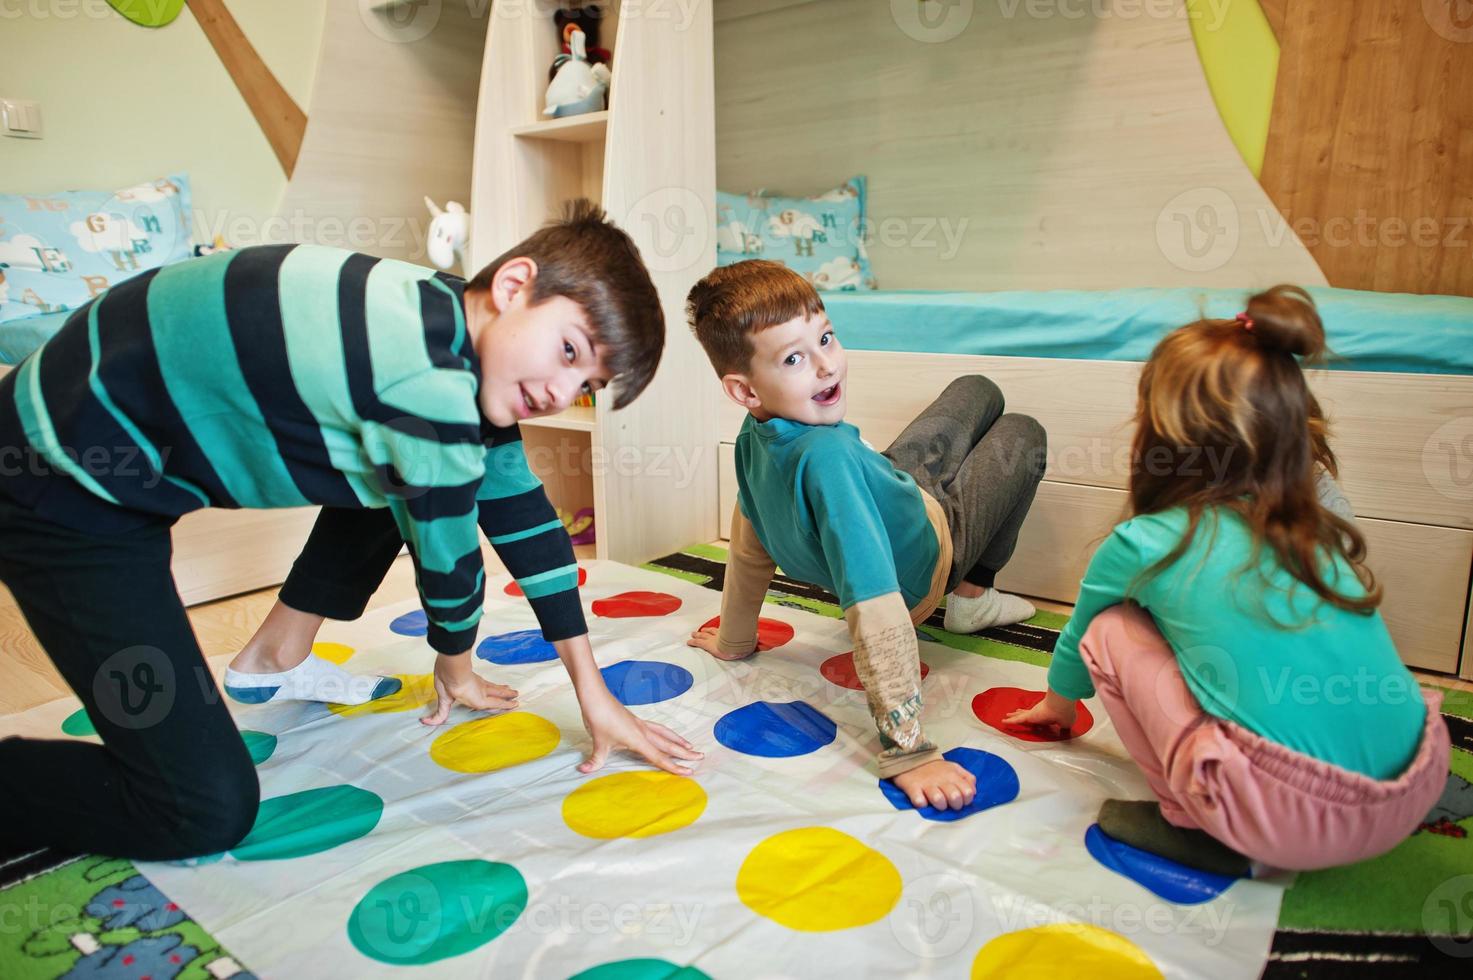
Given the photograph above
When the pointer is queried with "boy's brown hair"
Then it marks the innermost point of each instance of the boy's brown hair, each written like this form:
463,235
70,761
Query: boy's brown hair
584,256
735,301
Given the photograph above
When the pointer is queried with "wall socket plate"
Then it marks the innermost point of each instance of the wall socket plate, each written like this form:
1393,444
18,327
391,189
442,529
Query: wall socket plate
20,118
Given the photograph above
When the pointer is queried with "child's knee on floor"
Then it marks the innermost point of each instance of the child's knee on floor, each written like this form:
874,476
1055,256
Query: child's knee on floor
213,813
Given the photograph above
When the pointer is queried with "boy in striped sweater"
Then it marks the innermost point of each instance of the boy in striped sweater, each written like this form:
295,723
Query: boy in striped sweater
285,376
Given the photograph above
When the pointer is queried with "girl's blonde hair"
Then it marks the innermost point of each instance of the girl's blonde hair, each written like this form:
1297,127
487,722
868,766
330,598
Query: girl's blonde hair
1231,393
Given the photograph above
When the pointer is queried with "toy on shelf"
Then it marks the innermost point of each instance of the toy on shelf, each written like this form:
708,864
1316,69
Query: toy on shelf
579,525
587,18
579,78
450,229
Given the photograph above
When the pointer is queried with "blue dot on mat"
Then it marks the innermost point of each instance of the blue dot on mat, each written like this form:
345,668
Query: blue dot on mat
997,783
521,647
1167,879
646,681
411,624
775,729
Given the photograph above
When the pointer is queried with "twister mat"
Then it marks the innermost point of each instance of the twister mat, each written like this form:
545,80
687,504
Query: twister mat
476,849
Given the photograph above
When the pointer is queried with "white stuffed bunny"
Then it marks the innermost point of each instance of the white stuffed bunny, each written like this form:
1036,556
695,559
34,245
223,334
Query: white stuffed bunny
449,231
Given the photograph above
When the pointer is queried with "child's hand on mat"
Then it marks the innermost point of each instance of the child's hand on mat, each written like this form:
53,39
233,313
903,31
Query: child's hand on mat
614,726
1054,711
456,682
941,784
706,640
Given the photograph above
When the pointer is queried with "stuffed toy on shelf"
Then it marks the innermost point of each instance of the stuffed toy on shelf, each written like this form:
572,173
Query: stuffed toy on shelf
579,77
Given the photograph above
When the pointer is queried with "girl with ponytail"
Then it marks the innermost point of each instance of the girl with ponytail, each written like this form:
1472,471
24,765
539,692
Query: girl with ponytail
1230,625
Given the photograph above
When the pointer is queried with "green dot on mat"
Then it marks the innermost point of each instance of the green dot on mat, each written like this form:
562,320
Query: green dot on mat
437,911
259,744
640,969
79,723
309,822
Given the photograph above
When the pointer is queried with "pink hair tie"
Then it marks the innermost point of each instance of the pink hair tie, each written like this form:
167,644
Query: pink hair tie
1245,320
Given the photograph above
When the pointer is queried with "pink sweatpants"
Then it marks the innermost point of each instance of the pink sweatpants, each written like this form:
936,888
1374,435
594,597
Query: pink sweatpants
1275,805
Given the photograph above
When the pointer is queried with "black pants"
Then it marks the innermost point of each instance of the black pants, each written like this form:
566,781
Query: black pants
983,468
343,562
172,778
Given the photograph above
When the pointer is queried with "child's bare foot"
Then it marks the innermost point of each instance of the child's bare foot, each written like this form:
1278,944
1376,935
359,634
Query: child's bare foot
706,640
940,784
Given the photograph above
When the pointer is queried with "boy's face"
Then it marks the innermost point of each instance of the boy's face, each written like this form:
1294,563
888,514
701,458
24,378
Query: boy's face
798,372
534,359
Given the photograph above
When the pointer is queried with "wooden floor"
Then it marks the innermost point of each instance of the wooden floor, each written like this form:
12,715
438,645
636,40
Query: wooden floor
27,678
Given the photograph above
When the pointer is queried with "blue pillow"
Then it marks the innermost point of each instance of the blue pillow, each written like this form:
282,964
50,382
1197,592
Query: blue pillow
822,237
57,251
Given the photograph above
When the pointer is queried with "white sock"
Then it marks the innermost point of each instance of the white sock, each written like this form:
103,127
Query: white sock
968,614
314,679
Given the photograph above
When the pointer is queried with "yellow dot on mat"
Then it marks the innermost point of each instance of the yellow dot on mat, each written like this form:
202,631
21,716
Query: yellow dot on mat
498,742
1062,950
817,879
418,691
634,804
337,653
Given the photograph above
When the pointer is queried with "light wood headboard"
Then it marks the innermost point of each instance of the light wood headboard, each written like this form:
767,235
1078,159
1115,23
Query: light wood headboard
1080,152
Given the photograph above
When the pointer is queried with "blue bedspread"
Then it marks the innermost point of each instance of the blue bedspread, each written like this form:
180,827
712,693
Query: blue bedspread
1367,331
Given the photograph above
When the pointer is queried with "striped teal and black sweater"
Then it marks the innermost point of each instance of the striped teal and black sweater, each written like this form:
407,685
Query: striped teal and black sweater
282,376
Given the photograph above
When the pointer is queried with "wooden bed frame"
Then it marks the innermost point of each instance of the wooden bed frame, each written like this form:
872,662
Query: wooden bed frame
1420,537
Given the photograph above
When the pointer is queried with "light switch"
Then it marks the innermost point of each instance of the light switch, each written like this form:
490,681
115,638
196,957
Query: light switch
21,118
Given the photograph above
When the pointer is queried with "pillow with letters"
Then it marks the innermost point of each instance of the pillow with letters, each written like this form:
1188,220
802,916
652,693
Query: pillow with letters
821,238
59,250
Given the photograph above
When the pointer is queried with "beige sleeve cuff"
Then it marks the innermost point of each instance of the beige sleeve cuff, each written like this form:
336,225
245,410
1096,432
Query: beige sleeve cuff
749,571
888,663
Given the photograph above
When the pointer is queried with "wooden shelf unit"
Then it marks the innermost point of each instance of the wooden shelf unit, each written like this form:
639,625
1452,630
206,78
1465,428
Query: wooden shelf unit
649,471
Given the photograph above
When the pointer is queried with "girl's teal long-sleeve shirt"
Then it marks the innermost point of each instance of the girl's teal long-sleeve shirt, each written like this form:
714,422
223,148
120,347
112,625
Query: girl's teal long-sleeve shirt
1255,645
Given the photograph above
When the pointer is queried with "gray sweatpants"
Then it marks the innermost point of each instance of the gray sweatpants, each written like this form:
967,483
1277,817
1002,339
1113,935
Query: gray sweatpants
982,467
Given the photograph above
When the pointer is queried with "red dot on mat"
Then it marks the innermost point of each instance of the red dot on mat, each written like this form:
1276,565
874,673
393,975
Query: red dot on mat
627,605
771,633
174,958
513,589
118,903
996,703
840,670
128,960
172,907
